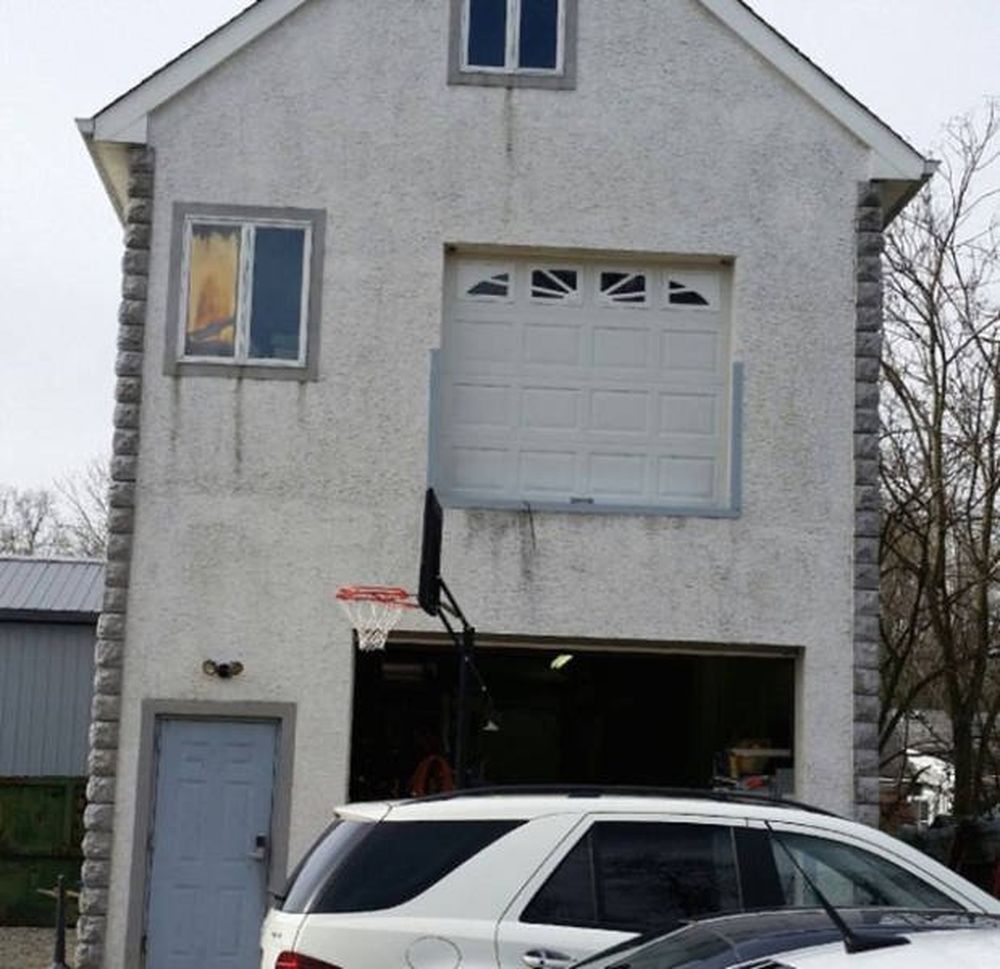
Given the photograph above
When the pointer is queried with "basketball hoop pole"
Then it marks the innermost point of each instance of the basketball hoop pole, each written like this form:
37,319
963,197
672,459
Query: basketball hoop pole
436,599
374,610
465,642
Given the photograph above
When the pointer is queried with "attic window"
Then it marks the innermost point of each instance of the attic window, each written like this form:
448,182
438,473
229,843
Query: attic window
512,42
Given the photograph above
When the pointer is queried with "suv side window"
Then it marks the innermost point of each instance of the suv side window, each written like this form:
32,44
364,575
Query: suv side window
846,875
634,876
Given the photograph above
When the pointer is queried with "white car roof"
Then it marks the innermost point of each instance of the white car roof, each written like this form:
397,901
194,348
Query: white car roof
527,806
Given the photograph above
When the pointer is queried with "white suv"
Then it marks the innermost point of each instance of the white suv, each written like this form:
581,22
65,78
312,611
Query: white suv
506,880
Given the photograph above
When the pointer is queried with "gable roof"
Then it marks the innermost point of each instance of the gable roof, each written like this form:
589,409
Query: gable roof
124,121
53,589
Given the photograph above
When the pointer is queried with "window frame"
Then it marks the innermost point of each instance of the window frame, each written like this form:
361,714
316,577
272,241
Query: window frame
248,219
563,75
589,829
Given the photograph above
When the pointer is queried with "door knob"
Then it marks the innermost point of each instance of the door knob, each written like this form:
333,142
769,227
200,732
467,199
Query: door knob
259,852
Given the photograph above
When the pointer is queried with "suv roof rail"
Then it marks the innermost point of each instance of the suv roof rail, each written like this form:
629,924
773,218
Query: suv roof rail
725,795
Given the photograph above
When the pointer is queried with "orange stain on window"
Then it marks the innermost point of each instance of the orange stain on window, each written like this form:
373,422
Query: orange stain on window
212,290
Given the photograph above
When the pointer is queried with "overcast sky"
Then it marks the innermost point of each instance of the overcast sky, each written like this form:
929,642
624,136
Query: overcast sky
914,62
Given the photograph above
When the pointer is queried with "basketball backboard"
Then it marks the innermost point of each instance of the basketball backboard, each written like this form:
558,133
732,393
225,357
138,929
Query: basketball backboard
429,591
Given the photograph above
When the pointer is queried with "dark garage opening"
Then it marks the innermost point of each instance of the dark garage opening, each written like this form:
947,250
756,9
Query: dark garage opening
599,717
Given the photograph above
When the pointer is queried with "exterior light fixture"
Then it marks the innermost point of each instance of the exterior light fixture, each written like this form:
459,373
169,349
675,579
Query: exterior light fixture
560,661
224,671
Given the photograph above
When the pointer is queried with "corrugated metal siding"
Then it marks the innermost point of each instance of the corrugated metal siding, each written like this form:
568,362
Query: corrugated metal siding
46,681
51,585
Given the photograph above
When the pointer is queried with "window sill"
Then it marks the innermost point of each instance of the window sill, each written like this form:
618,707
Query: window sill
487,78
239,371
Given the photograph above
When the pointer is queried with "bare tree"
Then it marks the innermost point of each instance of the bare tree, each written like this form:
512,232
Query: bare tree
85,508
69,519
941,457
28,522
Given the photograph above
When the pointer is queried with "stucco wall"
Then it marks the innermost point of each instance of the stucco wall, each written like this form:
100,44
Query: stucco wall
256,499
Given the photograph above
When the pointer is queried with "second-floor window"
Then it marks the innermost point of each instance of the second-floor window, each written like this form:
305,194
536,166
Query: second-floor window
245,290
513,36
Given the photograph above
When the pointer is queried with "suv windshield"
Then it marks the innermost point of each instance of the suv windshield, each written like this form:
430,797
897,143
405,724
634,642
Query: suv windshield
363,866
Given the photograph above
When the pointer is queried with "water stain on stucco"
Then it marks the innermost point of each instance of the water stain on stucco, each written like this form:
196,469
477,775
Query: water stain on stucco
238,426
499,529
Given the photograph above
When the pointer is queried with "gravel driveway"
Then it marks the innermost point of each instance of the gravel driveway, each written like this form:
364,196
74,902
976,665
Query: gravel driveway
31,948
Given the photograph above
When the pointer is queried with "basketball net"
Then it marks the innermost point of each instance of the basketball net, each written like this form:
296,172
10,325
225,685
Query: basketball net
373,611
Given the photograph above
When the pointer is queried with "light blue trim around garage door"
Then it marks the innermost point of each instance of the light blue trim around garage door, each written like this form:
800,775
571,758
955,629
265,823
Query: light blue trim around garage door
450,500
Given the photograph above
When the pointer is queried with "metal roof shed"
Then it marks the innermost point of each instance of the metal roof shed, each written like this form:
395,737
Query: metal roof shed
48,614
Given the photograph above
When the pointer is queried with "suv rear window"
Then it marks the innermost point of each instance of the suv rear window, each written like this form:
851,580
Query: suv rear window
360,866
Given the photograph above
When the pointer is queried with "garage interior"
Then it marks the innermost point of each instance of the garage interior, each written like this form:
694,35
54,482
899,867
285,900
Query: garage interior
574,716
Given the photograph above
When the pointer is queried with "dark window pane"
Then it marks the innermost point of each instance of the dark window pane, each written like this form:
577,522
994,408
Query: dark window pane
277,293
567,897
688,298
539,30
213,274
313,871
652,875
758,876
397,860
497,285
487,33
624,287
682,295
553,283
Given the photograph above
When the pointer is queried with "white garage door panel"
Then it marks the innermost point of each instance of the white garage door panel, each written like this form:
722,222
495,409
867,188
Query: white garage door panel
617,475
620,411
688,414
548,471
621,346
479,405
545,345
689,353
482,469
551,408
583,399
489,342
687,478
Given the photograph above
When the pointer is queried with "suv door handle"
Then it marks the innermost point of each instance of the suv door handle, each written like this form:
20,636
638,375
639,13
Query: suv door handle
546,959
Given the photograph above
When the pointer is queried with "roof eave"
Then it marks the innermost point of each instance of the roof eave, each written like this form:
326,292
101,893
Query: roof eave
125,118
111,161
124,122
892,157
897,194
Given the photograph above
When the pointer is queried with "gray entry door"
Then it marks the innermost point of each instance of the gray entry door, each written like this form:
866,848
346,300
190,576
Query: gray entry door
208,870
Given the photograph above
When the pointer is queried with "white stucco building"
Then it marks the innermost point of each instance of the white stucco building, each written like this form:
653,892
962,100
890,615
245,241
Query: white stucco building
605,274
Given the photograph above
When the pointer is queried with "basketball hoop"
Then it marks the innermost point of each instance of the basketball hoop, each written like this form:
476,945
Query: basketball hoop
373,611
